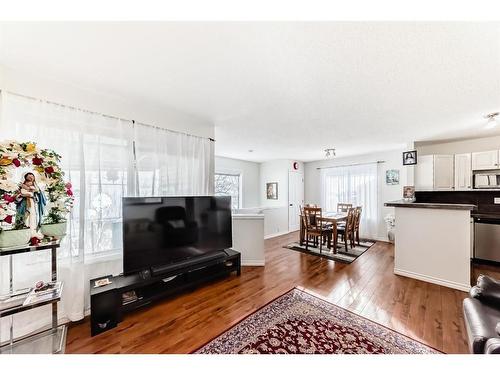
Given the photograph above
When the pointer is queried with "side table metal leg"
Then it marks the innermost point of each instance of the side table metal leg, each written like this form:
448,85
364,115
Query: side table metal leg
54,278
11,290
54,304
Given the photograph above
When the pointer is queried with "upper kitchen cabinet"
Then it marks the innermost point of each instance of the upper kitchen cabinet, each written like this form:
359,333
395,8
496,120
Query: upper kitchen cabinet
485,160
463,172
434,172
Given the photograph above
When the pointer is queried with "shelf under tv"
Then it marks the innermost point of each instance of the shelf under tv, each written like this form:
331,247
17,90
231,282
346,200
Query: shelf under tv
108,308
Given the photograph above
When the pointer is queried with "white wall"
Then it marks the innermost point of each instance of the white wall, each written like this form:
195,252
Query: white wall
125,107
276,213
248,239
458,147
392,160
250,178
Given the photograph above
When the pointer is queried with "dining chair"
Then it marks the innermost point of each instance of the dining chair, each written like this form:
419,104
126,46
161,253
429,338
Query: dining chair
343,207
347,230
314,228
357,220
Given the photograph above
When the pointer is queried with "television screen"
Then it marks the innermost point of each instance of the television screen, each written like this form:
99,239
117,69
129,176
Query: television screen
158,231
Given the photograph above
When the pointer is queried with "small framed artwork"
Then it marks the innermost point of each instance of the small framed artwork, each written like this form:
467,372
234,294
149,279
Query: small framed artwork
272,190
410,157
392,177
408,192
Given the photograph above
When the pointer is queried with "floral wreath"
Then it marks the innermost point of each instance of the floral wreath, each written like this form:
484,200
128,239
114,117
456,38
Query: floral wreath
45,164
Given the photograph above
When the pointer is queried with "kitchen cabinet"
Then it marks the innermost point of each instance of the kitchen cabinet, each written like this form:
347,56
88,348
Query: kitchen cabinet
485,160
434,172
463,171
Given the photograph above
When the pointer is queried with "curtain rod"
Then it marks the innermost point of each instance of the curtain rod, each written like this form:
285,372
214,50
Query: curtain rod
102,114
351,165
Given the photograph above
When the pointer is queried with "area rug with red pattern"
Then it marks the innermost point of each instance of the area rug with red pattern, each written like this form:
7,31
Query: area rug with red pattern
298,322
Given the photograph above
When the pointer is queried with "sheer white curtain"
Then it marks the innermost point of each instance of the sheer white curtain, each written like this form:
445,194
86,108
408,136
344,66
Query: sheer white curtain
96,152
357,184
98,158
171,163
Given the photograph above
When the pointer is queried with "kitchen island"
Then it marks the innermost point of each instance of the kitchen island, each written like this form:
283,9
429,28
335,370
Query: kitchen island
433,242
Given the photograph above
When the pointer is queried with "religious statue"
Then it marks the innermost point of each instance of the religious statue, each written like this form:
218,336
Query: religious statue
31,202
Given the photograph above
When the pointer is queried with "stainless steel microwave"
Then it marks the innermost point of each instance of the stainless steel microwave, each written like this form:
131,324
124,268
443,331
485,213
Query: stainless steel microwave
487,180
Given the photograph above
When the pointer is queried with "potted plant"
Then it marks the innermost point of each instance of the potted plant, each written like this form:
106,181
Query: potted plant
61,201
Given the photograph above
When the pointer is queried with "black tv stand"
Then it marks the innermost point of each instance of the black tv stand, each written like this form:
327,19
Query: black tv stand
188,264
108,304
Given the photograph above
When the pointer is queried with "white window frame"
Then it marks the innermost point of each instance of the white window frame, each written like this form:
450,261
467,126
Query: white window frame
240,183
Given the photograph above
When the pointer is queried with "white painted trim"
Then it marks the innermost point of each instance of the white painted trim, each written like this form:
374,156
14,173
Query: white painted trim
253,263
248,216
277,234
433,280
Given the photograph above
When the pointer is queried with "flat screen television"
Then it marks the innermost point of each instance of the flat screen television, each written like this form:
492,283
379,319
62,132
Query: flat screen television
158,231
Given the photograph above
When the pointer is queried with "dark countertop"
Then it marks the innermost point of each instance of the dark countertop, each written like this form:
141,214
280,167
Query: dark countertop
442,206
485,215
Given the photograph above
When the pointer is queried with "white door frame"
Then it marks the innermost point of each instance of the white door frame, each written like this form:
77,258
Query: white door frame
295,199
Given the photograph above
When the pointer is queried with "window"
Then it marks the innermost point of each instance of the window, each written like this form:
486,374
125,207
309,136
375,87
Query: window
228,184
356,185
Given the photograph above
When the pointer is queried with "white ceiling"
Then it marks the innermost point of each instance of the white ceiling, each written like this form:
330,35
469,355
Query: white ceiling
284,90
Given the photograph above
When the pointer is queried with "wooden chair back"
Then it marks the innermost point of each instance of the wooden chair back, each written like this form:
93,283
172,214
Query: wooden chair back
357,217
311,216
343,207
349,223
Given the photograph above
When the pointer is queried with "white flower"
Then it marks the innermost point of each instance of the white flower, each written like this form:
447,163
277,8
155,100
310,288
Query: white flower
6,211
10,154
8,185
9,143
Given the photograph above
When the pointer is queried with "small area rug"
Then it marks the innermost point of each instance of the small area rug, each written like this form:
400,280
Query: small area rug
341,255
298,322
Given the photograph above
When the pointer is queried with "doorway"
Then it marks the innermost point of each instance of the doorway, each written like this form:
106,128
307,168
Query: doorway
295,199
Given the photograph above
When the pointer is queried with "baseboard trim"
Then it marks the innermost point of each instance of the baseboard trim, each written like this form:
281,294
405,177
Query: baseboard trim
432,280
275,235
253,263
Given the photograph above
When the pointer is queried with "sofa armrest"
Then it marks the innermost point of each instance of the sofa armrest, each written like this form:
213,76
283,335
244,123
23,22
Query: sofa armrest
492,346
486,290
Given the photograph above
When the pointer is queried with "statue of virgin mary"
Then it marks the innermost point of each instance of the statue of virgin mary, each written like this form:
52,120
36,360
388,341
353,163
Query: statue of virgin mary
31,204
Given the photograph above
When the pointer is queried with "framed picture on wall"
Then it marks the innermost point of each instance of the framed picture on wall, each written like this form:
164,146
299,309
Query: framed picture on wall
392,177
410,157
272,190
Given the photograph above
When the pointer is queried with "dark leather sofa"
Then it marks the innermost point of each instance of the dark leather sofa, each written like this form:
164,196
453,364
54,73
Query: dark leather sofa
482,316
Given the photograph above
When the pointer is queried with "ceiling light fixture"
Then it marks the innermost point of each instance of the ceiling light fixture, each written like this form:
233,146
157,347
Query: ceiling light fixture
492,120
330,153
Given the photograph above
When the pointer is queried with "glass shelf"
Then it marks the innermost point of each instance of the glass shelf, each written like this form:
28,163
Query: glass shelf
26,249
54,298
46,342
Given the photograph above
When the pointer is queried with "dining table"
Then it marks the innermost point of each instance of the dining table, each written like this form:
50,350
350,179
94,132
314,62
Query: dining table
327,217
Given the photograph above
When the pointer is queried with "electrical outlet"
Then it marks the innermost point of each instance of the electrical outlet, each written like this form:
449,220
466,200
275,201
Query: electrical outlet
496,200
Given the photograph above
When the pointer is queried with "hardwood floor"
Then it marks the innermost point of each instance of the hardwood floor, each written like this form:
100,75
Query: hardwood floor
429,313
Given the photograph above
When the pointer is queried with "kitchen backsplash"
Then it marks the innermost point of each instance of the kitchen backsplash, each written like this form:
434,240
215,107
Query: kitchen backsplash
484,200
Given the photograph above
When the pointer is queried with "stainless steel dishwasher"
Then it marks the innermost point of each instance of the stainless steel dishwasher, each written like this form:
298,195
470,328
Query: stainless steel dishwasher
487,239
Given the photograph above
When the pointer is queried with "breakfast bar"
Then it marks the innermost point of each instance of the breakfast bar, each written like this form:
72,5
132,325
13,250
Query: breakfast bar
433,242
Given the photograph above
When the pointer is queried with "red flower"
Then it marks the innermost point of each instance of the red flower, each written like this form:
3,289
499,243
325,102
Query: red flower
34,241
37,161
8,219
16,162
68,185
69,192
49,170
8,198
